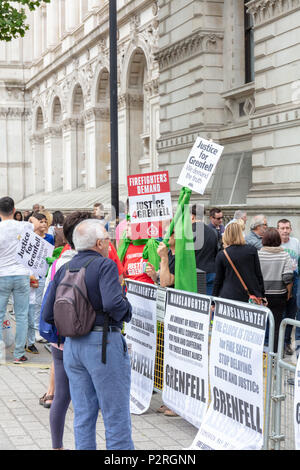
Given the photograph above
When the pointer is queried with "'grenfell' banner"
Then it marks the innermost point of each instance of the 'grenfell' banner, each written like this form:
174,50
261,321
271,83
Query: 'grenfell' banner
297,406
234,420
32,252
200,165
186,332
141,340
150,204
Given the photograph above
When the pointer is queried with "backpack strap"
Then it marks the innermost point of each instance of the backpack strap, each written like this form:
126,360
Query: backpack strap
236,271
84,266
104,337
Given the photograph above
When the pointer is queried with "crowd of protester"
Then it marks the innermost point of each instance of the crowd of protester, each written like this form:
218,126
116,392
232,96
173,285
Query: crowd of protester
260,266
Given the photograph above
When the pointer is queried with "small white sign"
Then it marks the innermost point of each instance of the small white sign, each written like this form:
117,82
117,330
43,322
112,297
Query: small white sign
32,252
200,165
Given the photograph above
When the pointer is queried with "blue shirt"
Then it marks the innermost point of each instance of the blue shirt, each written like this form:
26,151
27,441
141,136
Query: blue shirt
49,238
103,287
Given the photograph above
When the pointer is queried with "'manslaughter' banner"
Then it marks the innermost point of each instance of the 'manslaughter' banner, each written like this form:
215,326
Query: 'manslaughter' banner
186,330
235,417
141,340
297,406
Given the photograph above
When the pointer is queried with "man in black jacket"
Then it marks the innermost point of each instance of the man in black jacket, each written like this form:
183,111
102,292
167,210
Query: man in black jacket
206,247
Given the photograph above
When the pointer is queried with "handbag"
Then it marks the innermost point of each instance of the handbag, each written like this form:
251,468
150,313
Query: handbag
252,298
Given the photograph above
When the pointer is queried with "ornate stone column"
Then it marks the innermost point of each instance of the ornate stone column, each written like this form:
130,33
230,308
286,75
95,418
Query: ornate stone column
37,159
97,138
53,159
69,138
52,23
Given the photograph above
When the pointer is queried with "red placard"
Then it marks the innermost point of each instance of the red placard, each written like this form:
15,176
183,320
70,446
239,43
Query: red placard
150,205
149,183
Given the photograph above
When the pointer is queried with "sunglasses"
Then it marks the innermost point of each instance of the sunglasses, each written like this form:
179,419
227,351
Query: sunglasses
218,218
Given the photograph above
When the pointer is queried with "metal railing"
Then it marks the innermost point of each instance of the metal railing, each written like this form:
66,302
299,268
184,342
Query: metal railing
283,396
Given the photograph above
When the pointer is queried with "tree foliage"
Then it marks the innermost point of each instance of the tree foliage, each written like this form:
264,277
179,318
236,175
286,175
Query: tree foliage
13,17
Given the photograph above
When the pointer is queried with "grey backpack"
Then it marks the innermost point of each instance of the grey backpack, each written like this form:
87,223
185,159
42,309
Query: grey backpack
74,315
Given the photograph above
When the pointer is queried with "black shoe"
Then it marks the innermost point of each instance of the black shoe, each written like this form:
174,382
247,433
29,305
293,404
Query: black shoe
32,349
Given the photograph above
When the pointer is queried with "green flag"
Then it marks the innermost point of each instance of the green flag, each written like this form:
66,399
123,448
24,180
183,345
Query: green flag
185,260
150,253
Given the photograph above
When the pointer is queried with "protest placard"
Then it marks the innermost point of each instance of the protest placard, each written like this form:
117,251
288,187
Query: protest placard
32,252
235,417
186,329
141,340
200,165
297,406
150,204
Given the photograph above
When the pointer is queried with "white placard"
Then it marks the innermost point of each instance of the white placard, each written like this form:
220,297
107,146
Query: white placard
32,252
297,406
186,333
200,165
235,417
141,340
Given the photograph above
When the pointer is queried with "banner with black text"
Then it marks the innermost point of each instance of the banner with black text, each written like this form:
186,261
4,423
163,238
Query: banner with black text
141,341
185,388
235,417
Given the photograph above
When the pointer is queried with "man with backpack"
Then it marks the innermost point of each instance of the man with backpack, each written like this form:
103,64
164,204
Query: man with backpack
86,303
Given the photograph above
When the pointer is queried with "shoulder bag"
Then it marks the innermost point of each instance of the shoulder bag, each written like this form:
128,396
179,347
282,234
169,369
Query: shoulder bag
252,298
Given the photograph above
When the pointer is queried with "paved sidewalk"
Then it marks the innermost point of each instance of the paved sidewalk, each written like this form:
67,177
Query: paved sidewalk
24,424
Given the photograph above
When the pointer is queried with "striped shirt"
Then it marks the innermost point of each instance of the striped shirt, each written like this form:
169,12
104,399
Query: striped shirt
277,269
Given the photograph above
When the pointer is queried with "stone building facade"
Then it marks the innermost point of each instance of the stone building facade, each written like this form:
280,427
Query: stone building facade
54,99
228,70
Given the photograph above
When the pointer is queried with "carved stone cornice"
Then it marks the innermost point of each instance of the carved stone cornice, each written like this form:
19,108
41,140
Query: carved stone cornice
96,113
13,113
152,88
130,100
52,132
267,10
72,123
197,43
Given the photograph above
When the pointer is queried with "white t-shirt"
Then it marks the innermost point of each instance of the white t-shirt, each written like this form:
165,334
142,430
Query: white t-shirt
293,249
10,230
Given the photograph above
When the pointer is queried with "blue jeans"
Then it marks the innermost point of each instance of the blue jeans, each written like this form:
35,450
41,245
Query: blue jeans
95,386
31,325
38,302
210,279
19,287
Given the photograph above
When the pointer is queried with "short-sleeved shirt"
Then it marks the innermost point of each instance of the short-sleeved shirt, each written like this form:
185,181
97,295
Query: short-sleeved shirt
134,264
10,231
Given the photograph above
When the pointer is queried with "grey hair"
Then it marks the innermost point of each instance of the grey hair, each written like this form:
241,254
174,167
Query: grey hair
239,214
257,221
87,233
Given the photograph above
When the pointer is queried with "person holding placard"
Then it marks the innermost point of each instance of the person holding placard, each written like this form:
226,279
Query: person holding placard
14,277
41,229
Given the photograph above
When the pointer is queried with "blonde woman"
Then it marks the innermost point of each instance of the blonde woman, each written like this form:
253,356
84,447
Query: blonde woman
245,258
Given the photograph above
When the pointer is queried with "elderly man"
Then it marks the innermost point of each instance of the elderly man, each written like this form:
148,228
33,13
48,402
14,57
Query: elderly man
257,229
96,385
